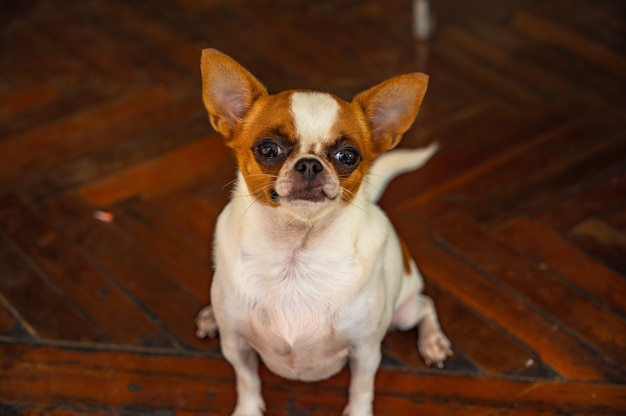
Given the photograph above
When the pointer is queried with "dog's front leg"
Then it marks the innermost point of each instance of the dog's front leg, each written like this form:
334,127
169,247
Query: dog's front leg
245,361
364,362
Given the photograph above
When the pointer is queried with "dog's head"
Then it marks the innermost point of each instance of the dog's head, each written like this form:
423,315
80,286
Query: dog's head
303,151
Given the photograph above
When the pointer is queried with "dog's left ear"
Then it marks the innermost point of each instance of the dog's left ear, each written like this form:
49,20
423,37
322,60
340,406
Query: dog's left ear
228,90
391,107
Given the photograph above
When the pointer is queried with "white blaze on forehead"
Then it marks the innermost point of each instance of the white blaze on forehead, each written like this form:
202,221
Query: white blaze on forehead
314,116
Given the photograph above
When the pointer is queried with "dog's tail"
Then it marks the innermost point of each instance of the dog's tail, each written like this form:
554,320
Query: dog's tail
394,163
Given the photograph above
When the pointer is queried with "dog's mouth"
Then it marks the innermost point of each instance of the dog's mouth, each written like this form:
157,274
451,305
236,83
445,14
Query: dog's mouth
316,194
308,194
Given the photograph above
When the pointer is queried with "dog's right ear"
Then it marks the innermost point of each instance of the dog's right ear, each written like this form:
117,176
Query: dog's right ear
228,90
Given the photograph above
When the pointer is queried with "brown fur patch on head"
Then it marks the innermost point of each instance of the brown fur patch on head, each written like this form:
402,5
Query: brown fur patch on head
352,128
228,90
391,108
268,119
240,108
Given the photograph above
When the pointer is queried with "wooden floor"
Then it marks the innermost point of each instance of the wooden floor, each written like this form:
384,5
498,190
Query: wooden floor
518,223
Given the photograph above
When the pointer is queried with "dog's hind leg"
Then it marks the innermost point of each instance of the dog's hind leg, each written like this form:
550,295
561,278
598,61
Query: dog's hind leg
433,345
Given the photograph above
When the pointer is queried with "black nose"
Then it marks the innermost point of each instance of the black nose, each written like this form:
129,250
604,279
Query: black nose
308,168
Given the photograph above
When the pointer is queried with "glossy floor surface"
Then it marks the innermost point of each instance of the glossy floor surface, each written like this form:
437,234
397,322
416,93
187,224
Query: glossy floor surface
111,179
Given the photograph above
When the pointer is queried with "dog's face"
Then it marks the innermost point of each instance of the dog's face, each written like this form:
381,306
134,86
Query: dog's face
304,151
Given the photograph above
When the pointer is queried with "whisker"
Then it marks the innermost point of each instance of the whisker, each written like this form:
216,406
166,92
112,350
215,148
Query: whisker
263,175
375,175
350,201
254,201
364,180
250,176
257,194
229,183
253,179
256,197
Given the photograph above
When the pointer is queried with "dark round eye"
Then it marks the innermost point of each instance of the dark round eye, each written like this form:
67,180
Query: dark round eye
347,157
268,150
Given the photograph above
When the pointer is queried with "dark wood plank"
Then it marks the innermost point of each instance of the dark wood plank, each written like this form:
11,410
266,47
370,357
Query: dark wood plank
567,83
557,349
186,262
9,325
91,40
196,218
518,222
203,384
485,77
117,146
34,150
50,113
582,203
554,252
530,174
530,74
545,30
572,312
42,306
602,241
453,170
616,218
46,58
584,168
470,334
76,277
549,172
28,99
154,177
141,277
33,409
164,41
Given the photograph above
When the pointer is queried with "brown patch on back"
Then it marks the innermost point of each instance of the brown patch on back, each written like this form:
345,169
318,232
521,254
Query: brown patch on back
406,257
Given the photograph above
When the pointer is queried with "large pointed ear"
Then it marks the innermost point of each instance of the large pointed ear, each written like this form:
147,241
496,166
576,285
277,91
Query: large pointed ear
391,107
228,90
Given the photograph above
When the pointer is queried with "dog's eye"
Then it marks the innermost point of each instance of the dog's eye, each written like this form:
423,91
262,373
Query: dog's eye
268,150
347,157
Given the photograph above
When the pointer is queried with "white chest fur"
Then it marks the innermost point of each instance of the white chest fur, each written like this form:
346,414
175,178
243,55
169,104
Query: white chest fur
297,290
297,275
293,321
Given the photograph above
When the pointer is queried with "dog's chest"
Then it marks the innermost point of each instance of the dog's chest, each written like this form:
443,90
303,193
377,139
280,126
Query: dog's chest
294,304
297,290
303,275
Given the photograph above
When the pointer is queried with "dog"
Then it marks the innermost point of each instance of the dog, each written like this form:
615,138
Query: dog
309,272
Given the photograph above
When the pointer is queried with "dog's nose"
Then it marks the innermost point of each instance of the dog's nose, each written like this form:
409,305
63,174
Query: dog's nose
309,168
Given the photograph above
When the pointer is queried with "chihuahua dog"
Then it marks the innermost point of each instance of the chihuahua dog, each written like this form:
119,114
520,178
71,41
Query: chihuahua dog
309,272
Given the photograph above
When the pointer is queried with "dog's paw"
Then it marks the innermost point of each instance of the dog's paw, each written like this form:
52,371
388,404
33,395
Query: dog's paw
434,348
205,323
253,407
358,410
246,413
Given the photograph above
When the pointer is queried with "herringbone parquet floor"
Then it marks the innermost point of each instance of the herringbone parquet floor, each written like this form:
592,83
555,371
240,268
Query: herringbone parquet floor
518,223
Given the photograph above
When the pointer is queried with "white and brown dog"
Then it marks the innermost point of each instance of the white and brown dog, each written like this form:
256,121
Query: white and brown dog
309,272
